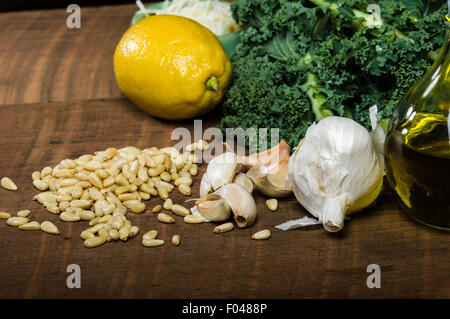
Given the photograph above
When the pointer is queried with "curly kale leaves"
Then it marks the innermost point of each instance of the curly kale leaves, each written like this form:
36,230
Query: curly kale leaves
299,61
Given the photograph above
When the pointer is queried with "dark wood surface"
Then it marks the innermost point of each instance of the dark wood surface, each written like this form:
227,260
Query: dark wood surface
58,99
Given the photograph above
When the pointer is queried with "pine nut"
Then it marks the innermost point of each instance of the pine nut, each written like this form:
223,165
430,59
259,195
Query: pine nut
87,215
194,219
202,145
183,180
5,215
193,170
185,189
49,227
152,234
23,213
36,175
95,194
7,183
164,218
261,235
124,232
95,180
93,165
94,242
156,171
108,181
176,240
17,221
168,204
101,173
52,208
81,203
114,234
48,197
127,197
85,234
85,195
272,204
68,182
223,228
134,230
152,242
69,217
144,196
46,171
180,210
30,226
166,176
156,209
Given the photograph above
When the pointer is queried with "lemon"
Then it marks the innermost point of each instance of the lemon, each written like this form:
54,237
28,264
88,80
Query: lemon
172,67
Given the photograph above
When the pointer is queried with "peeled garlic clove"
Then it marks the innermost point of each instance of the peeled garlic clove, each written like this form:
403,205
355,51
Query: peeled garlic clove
213,207
241,203
243,180
221,171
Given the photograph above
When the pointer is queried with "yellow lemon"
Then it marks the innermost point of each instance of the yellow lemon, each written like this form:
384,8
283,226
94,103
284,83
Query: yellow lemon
172,67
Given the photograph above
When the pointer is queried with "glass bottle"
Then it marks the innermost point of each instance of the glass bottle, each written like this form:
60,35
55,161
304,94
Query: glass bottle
417,147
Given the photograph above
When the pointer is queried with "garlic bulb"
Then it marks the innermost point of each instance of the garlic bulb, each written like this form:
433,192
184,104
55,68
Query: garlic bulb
335,171
243,180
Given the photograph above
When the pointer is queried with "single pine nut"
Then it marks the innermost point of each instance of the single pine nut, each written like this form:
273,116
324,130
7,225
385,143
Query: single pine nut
93,165
17,221
167,204
85,234
64,198
156,209
127,197
183,180
79,203
87,215
95,194
144,196
101,173
176,240
194,219
8,184
23,213
63,206
152,242
36,175
272,204
49,227
124,232
193,170
52,208
48,197
95,180
114,234
134,230
223,228
263,234
164,218
185,189
46,171
116,222
85,195
94,242
5,215
68,182
150,235
30,226
69,217
166,176
180,210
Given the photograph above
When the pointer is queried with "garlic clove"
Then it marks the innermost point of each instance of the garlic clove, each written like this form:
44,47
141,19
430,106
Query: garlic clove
221,171
271,181
270,157
213,207
241,203
243,180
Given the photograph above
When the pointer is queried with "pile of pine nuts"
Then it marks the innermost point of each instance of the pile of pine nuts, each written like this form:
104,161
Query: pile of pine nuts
100,188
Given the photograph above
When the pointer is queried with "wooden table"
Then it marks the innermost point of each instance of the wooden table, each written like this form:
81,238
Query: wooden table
59,99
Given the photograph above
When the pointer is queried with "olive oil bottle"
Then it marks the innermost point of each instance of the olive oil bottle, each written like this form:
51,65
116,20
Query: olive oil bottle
417,148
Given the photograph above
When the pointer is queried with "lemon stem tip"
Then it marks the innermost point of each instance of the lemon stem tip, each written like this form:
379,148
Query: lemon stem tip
212,84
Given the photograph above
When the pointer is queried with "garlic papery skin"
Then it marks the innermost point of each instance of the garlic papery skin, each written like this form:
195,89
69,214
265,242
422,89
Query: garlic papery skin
245,181
241,203
272,156
221,170
271,180
213,207
335,171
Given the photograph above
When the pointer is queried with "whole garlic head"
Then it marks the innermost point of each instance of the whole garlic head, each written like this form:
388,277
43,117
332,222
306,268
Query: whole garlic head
335,171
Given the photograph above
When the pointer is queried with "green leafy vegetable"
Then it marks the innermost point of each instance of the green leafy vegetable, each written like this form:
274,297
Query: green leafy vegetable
300,61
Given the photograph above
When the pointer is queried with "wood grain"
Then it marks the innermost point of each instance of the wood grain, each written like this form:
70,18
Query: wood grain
303,263
58,99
